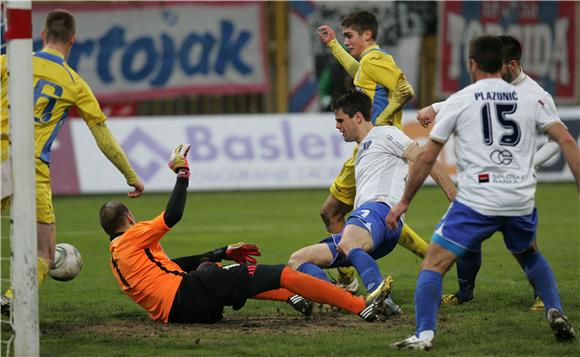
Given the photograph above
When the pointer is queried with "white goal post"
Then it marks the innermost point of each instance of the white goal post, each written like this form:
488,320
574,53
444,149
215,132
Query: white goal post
23,211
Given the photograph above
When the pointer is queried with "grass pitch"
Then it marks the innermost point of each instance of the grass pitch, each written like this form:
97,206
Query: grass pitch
89,316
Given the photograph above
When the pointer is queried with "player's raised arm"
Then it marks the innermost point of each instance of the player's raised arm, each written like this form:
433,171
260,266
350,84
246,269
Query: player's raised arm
112,150
328,37
176,205
438,173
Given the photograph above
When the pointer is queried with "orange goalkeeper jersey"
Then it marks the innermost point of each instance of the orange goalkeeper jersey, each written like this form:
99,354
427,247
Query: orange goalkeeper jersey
143,270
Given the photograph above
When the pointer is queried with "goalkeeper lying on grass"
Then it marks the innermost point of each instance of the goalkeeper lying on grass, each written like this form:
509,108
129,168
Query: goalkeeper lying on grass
195,288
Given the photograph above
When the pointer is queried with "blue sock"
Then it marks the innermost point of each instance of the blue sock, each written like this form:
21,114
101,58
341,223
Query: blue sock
313,270
366,267
467,269
542,279
427,299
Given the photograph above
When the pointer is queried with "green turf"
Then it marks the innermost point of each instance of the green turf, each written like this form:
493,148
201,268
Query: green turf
89,316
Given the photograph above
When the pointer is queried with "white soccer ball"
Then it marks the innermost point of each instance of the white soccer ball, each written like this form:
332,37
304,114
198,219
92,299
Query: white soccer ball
67,263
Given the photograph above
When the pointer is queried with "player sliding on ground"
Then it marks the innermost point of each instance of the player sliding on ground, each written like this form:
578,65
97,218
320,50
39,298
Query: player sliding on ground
195,289
380,170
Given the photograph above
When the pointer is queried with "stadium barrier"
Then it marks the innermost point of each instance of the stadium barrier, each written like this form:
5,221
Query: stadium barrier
234,152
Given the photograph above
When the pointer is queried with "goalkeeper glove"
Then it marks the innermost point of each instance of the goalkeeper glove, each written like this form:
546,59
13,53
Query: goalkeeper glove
242,252
178,160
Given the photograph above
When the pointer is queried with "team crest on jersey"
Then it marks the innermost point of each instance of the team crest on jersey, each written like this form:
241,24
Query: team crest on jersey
367,144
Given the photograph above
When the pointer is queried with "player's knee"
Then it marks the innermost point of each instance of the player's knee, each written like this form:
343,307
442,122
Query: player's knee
296,259
437,263
345,246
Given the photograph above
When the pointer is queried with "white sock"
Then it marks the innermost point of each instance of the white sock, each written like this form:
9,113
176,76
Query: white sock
427,335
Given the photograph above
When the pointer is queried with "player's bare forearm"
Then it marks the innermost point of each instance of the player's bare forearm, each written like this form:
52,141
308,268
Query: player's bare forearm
569,147
402,94
112,150
418,172
442,178
572,156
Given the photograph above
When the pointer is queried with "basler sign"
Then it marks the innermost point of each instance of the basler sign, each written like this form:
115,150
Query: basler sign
235,152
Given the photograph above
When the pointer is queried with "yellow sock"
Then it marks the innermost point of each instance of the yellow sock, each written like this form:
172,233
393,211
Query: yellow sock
41,271
411,240
42,268
9,293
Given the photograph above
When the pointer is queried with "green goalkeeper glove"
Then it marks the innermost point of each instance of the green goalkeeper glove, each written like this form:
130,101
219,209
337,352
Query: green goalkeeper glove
178,160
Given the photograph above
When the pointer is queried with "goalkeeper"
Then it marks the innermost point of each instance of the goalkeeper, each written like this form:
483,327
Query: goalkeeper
195,288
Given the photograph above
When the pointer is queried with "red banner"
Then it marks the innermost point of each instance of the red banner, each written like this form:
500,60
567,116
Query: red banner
546,30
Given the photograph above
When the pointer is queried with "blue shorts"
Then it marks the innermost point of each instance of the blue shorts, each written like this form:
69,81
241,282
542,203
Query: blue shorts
462,229
370,216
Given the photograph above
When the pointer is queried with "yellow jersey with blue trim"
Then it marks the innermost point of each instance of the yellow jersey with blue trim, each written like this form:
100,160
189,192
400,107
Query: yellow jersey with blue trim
377,76
57,88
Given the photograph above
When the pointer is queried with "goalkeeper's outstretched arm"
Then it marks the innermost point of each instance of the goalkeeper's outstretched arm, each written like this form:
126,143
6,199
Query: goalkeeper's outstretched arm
176,205
241,253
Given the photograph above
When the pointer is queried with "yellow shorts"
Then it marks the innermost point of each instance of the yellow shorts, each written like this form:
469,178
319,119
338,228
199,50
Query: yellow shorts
6,168
344,186
44,209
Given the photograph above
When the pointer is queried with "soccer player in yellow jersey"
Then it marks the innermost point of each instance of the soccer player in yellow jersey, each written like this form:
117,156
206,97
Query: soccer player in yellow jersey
377,75
57,88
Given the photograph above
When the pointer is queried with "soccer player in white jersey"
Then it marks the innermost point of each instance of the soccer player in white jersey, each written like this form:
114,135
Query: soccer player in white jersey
494,125
468,266
380,173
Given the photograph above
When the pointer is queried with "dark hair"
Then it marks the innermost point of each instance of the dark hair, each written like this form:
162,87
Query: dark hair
353,102
112,214
512,49
487,52
60,26
361,21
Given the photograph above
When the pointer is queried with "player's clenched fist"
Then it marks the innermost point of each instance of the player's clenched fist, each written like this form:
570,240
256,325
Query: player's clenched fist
326,34
242,252
426,116
178,160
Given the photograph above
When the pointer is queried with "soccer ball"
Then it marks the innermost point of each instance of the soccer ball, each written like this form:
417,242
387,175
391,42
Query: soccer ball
67,262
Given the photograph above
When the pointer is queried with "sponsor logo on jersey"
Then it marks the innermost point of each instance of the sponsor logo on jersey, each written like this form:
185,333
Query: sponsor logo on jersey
483,178
501,157
367,144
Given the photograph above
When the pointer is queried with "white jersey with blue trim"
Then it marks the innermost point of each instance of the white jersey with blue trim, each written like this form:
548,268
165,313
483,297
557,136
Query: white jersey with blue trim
495,126
380,170
527,84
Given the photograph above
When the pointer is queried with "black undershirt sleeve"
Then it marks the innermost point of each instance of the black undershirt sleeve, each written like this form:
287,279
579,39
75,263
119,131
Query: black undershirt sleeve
176,204
191,262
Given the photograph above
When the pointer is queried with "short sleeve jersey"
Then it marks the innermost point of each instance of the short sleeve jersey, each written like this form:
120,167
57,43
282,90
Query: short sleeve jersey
380,169
57,88
143,270
495,125
528,85
377,77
